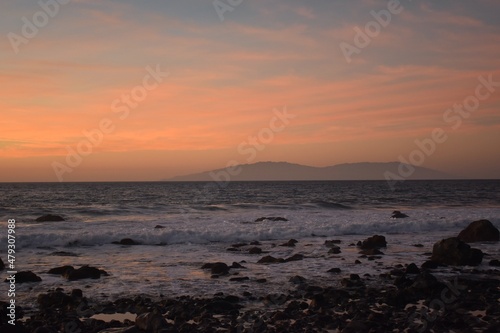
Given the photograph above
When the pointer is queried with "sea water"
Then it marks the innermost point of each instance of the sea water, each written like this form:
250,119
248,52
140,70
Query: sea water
200,221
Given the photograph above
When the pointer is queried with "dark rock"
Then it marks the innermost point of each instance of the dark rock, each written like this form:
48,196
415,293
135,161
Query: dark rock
398,215
159,226
271,218
84,272
429,264
261,280
373,242
290,243
453,251
49,218
238,245
371,252
295,257
297,279
357,262
64,254
26,276
255,243
236,265
62,270
55,299
217,268
495,263
239,278
2,265
270,260
334,250
331,243
479,231
221,307
335,270
255,250
418,245
412,269
127,241
233,249
151,322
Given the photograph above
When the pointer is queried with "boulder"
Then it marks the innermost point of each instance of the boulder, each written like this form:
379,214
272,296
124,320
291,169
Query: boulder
50,218
62,270
453,251
373,242
84,272
270,260
217,268
26,276
127,241
398,215
271,218
480,231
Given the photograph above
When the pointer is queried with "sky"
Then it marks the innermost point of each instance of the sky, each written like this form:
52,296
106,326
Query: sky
108,90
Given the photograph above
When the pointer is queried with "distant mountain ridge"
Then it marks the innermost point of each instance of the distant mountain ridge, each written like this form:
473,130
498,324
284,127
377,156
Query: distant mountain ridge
267,171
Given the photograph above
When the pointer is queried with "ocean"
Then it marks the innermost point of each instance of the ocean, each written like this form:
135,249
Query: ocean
203,220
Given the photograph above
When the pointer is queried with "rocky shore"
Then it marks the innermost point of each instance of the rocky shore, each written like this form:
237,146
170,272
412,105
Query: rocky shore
403,298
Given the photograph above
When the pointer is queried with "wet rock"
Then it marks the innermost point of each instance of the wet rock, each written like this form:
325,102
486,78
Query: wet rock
62,270
159,226
290,243
255,250
398,215
494,263
479,231
332,243
295,257
2,265
239,278
334,270
271,218
217,268
270,260
418,245
371,252
453,251
54,300
236,265
429,264
373,242
412,269
64,254
126,241
49,218
151,322
334,250
84,272
26,276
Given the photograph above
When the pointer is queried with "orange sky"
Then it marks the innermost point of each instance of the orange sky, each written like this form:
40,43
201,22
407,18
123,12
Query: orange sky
226,78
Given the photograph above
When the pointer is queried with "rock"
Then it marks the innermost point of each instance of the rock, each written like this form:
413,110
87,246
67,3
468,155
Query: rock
271,218
159,226
429,264
371,252
49,218
130,329
255,250
453,251
480,231
373,242
126,241
270,260
238,245
239,278
84,272
217,268
398,215
494,263
2,265
151,322
54,299
236,265
331,243
295,257
62,270
334,250
26,276
297,279
221,307
412,269
290,243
